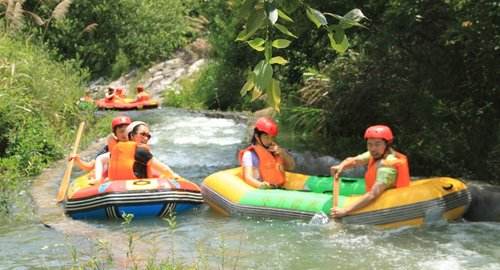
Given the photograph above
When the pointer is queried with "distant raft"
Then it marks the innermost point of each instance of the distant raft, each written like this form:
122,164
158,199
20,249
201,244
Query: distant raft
304,196
155,197
126,104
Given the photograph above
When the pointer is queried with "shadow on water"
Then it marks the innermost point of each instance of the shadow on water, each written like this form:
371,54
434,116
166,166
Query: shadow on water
196,145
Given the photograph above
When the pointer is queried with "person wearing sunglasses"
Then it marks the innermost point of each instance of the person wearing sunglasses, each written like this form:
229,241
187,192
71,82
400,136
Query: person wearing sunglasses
264,163
133,159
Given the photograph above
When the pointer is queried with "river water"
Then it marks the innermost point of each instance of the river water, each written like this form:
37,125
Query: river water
195,146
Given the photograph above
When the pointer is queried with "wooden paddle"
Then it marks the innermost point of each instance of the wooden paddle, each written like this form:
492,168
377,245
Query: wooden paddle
336,192
63,188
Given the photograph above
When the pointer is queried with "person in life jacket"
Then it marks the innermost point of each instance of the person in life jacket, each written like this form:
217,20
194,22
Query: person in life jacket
133,159
386,168
264,163
120,93
110,95
119,126
141,94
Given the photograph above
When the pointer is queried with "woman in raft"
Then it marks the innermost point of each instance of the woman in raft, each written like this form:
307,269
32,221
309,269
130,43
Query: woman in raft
264,163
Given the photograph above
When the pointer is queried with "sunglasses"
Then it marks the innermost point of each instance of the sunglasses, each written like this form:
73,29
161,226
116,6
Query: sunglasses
145,134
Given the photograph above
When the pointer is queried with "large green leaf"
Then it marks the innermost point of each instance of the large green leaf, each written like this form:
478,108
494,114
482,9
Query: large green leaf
255,21
284,30
350,19
283,15
274,95
281,43
257,43
339,47
316,17
263,75
249,84
278,60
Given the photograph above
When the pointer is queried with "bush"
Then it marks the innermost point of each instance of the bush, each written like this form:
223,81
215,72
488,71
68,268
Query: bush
38,112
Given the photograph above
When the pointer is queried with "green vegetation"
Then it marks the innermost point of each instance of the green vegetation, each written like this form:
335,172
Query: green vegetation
428,69
38,111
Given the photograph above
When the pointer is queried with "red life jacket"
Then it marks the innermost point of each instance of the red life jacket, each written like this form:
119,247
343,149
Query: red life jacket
142,96
121,163
400,164
270,167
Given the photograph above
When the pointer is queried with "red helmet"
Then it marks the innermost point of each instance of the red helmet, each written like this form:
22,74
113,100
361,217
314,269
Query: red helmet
120,120
379,132
267,126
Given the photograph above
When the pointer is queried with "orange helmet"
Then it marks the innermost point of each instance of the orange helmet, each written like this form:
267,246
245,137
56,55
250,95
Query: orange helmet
120,120
267,126
379,132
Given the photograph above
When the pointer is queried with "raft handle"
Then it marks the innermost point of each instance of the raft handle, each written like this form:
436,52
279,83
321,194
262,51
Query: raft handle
448,187
141,182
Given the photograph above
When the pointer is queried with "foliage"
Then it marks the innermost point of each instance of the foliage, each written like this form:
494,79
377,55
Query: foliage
104,35
38,112
262,20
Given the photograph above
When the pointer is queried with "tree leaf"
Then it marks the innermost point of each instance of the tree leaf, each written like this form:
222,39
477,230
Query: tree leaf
255,21
281,43
316,17
256,93
278,60
257,43
274,95
355,15
350,19
284,30
338,47
283,15
263,75
249,84
272,15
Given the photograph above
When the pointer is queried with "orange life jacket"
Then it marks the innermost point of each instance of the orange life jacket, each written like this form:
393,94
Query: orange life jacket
400,164
142,96
270,167
121,163
111,141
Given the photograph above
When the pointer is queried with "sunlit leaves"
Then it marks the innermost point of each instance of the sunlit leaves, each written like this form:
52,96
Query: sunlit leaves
283,16
284,30
257,43
350,19
281,43
273,15
316,17
278,60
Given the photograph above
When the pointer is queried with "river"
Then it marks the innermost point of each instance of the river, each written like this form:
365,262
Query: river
195,146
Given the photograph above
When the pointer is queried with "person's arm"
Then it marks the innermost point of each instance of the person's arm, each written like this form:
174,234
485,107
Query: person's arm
163,169
288,161
349,163
366,199
100,164
84,165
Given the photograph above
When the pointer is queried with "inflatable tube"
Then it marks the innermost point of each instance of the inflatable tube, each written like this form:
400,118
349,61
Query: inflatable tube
304,196
127,104
140,197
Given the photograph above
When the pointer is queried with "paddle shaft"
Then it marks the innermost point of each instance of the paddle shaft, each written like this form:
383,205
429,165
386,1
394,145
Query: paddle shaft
336,191
63,188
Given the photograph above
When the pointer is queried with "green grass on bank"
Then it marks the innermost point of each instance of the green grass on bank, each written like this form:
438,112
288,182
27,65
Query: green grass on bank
39,114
